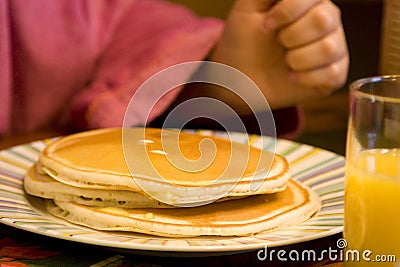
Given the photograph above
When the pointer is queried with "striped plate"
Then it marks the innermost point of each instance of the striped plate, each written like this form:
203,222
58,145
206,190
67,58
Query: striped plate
321,170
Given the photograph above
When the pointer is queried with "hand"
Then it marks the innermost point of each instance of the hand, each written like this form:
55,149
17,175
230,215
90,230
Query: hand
293,50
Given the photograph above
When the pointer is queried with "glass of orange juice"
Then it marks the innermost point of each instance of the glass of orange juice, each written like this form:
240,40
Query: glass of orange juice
372,190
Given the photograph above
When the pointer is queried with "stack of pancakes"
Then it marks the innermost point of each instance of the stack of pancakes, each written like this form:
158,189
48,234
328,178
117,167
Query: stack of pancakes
167,183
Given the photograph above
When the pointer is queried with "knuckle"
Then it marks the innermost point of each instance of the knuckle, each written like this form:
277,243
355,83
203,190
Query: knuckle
333,80
330,48
323,21
335,76
337,10
294,61
327,17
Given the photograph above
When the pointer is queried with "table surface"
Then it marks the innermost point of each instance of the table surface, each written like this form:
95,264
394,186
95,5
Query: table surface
21,248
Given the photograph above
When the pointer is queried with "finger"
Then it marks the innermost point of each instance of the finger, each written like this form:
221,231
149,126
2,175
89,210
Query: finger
285,12
318,54
321,20
324,80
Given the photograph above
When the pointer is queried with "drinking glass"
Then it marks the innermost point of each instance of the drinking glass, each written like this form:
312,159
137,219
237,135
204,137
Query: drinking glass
372,190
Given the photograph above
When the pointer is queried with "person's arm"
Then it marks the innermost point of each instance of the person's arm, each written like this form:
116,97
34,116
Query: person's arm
152,36
293,50
262,54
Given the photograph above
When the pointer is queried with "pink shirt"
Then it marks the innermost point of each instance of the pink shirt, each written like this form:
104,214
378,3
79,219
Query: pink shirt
77,61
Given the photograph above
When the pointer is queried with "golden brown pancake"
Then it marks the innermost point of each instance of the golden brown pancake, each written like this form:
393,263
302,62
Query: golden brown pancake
239,217
42,185
176,168
113,179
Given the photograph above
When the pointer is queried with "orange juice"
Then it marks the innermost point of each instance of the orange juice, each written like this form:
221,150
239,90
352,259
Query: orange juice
372,208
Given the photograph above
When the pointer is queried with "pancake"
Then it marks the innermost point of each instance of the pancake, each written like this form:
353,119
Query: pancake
42,185
194,169
239,217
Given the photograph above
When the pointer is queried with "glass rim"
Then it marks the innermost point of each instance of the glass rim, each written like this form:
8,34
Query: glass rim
357,84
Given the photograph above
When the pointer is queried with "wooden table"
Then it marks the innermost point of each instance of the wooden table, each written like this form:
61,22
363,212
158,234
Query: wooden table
22,247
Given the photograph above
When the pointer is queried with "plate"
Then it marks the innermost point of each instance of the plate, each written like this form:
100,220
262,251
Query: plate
321,170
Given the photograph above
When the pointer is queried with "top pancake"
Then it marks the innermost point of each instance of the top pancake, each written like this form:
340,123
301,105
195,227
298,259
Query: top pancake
178,167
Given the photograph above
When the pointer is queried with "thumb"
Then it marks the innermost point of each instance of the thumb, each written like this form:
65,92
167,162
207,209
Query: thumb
287,11
253,5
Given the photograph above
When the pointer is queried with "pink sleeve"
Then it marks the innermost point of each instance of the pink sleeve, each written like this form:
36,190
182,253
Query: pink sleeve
152,36
5,69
